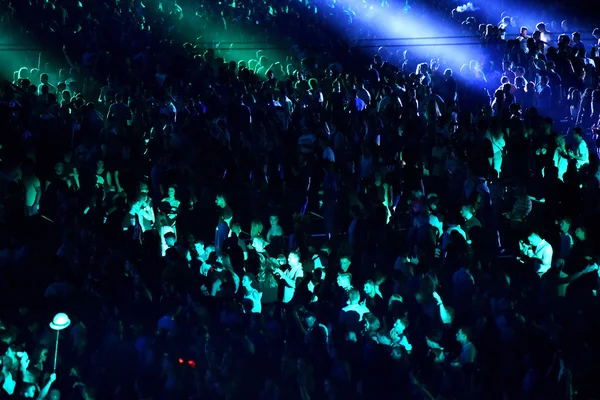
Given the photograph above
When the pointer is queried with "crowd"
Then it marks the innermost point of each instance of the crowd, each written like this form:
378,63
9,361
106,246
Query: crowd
308,220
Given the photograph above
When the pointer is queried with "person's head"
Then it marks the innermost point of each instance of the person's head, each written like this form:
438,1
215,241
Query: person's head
530,87
256,228
467,211
100,165
281,260
310,320
294,259
345,263
171,191
576,37
353,297
170,239
221,201
144,188
44,78
23,73
258,243
236,228
319,275
344,280
524,31
400,325
59,168
371,322
541,27
534,239
463,335
247,280
520,82
565,224
274,220
369,288
519,71
227,214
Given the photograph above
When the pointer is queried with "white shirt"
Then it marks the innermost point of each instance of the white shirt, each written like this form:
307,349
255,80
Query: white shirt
357,308
256,297
543,257
583,152
292,274
561,163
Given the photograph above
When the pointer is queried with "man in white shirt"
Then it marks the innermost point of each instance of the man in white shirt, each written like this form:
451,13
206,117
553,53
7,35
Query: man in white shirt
539,251
581,155
290,276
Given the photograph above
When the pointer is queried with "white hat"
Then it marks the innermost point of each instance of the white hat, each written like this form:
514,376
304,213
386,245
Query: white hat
60,322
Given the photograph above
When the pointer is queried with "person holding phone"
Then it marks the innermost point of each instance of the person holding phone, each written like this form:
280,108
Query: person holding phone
539,251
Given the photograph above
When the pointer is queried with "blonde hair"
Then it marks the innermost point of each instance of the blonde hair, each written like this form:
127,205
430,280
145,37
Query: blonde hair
256,228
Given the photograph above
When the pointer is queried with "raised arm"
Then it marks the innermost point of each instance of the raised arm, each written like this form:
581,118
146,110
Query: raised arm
44,391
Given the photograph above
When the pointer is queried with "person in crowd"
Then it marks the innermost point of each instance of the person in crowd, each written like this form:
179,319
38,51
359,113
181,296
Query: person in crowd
290,277
581,153
539,251
252,294
173,204
468,352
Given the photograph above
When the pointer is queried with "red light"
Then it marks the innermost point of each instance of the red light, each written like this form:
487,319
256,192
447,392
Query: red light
181,361
192,364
